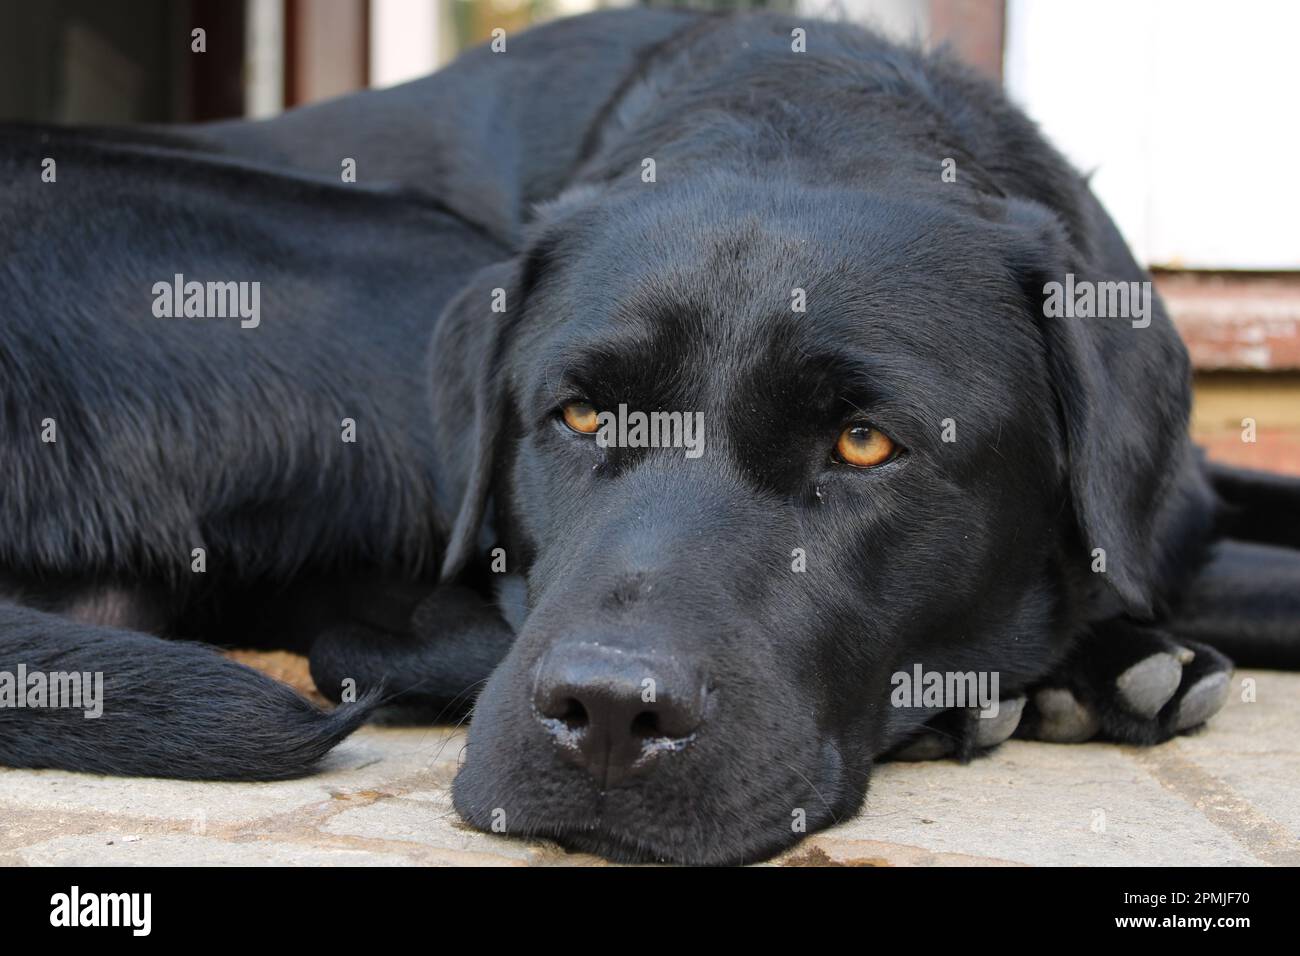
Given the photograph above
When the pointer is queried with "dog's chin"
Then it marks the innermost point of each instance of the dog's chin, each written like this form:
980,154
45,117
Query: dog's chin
617,847
646,845
684,835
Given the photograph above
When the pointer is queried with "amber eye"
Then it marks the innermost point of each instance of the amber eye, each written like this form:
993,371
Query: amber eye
581,417
864,447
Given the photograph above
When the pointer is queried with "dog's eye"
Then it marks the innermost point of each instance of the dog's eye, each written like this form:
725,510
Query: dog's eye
864,447
581,417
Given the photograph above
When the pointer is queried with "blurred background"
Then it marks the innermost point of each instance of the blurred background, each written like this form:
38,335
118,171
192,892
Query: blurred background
1183,112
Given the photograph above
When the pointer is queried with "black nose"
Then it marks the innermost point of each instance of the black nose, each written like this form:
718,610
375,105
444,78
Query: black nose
613,711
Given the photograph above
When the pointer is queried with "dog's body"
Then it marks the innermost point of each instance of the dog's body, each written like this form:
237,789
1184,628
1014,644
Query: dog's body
775,176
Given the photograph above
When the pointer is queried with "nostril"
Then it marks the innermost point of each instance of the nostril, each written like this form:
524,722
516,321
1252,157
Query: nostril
573,714
591,703
646,725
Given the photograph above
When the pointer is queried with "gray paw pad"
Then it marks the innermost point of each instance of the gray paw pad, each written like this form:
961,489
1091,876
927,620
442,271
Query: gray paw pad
990,731
1147,685
1202,700
1062,718
928,746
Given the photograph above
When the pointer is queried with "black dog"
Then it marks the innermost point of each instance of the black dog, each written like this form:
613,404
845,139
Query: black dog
906,461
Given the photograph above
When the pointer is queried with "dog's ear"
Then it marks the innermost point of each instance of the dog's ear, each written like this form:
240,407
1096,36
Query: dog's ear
468,401
466,366
1123,389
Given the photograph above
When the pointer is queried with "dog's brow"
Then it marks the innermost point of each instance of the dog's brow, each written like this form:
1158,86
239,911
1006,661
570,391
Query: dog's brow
890,387
609,368
845,372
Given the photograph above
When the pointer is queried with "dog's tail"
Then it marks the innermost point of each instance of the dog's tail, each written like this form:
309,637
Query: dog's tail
78,697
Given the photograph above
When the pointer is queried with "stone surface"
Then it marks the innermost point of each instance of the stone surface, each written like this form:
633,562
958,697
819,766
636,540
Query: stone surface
1225,796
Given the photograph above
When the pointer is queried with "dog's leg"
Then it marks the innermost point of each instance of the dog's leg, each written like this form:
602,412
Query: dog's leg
1257,506
1246,603
436,662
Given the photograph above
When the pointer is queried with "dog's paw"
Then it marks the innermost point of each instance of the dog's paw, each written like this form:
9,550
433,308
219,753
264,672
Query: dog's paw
962,734
1128,684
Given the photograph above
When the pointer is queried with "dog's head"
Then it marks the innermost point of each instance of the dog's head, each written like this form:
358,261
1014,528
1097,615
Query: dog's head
880,453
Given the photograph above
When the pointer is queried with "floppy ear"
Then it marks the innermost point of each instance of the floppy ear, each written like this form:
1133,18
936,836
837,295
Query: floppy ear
467,402
466,356
1123,388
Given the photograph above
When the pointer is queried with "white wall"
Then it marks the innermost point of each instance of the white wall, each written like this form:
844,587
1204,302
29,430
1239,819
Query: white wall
904,20
264,41
1187,110
404,40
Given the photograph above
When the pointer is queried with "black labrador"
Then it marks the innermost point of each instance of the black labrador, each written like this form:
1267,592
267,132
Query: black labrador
752,402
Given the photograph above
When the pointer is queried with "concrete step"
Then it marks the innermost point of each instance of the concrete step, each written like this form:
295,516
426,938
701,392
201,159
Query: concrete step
1222,797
